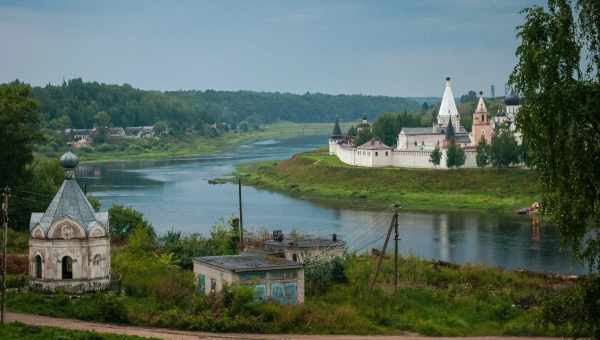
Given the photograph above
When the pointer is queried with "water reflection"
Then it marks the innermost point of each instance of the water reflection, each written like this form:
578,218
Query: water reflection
176,193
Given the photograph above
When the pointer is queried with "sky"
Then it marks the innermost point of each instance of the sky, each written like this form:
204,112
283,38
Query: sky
393,48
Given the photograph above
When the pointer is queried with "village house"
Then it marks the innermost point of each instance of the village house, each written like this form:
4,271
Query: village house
69,244
116,132
305,249
270,277
139,131
78,137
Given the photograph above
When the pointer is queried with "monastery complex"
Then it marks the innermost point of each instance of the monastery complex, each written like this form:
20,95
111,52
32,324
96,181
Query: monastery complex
415,144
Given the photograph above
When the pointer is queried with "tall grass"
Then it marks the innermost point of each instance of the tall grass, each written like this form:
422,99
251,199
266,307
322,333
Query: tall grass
432,299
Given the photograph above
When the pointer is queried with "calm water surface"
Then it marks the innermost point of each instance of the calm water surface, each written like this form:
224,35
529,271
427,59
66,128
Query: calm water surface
176,194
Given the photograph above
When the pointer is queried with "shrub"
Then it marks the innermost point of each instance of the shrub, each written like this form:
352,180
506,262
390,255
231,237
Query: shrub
319,277
575,312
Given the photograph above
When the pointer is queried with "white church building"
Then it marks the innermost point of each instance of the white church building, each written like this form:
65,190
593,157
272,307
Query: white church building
415,144
69,245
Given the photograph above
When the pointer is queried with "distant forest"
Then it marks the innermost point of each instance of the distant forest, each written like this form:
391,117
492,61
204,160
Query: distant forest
80,101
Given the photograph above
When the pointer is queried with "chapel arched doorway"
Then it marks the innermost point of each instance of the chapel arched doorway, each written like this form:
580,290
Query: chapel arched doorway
38,267
67,268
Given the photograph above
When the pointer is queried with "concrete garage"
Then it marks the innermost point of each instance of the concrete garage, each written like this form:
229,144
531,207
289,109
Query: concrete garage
270,277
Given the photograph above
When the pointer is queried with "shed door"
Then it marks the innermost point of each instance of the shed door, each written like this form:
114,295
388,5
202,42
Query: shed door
201,284
284,292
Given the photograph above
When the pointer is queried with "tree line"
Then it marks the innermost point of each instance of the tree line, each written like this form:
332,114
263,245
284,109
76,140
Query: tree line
75,103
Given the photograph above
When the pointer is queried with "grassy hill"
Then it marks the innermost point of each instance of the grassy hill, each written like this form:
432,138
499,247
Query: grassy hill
316,175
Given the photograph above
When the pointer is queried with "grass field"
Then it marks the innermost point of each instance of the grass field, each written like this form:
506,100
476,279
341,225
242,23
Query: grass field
319,176
193,145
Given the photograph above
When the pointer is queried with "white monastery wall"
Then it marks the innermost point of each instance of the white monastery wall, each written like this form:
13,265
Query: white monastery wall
396,158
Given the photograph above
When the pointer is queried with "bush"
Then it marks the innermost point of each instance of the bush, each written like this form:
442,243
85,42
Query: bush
319,277
575,312
105,147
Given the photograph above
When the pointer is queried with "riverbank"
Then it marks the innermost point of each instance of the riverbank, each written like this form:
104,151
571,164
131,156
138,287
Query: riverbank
318,176
193,145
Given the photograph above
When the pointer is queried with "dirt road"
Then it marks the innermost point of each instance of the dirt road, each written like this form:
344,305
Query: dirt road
162,333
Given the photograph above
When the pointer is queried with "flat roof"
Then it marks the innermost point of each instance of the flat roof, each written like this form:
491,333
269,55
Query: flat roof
305,243
245,263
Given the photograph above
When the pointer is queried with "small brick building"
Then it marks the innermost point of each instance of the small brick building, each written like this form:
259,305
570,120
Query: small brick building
270,277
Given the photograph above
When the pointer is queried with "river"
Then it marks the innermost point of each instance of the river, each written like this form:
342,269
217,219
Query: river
176,194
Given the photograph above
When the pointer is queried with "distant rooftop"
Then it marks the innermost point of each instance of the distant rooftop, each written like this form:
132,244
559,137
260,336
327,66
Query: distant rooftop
245,263
375,144
417,131
304,243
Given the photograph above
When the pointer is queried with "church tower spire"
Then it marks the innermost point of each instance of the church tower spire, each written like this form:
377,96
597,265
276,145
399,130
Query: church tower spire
482,127
448,110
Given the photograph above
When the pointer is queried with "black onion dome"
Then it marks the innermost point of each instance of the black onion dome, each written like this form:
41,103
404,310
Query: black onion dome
69,160
512,99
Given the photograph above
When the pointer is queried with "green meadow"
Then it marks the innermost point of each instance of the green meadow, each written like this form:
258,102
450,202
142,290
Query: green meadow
317,175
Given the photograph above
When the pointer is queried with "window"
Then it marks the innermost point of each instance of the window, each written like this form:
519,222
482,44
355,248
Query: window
376,153
283,275
284,293
213,285
201,284
67,268
386,153
252,277
295,258
259,290
38,267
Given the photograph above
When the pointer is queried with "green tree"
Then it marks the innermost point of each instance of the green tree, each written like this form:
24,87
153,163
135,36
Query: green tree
160,128
363,136
559,118
36,186
504,149
450,134
336,128
386,128
483,153
436,156
102,121
123,220
455,155
61,123
352,131
19,131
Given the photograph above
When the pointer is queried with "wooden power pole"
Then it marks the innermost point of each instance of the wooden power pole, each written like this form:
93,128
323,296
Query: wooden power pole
396,238
393,225
5,197
241,224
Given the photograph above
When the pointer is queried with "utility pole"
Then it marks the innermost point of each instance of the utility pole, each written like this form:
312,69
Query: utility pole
241,215
382,254
396,238
393,225
6,196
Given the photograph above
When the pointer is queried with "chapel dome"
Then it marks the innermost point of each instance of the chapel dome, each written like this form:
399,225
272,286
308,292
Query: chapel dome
69,160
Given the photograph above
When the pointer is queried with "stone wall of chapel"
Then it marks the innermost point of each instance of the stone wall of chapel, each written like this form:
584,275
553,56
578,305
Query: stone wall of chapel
82,253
